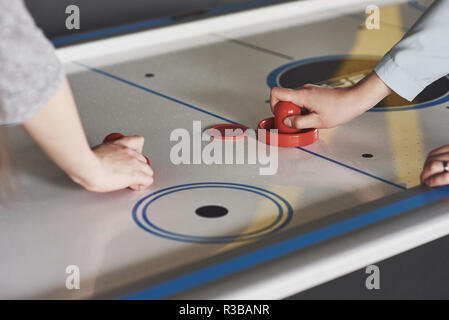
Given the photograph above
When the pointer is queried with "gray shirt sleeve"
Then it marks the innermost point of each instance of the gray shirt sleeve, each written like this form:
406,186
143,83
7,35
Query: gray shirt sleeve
30,72
421,57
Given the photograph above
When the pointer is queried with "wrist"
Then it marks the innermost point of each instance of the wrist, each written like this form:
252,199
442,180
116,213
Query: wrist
370,91
85,170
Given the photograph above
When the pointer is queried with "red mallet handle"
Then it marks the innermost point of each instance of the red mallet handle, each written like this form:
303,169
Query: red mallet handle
112,137
115,136
282,110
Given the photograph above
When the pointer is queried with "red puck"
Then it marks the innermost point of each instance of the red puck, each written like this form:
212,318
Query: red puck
227,131
290,140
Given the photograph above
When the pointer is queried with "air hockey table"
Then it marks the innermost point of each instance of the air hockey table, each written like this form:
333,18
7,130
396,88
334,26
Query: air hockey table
351,199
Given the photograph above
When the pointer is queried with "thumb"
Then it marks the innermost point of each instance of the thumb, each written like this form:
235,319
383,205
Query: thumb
132,142
307,121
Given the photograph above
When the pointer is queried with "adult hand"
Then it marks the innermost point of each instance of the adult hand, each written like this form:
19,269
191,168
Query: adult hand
330,107
435,172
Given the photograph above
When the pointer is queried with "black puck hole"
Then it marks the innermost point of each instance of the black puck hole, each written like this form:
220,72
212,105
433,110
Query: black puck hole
211,211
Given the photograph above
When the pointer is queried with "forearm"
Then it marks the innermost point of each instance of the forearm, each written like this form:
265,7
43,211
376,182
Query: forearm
57,129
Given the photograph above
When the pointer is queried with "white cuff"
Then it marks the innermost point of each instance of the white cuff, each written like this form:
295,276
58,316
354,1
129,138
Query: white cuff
397,78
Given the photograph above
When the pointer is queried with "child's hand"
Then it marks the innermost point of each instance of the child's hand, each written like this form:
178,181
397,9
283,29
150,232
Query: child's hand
57,129
435,172
121,165
330,107
327,107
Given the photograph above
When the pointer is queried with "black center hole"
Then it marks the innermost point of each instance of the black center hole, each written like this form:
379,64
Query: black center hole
211,211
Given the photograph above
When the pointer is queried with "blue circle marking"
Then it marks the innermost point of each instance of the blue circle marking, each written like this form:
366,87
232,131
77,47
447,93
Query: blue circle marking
273,81
147,220
142,206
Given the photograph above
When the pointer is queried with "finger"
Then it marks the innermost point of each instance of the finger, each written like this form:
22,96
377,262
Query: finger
309,85
273,99
139,187
136,187
142,182
136,155
297,97
133,142
438,157
147,170
440,150
438,180
431,168
307,121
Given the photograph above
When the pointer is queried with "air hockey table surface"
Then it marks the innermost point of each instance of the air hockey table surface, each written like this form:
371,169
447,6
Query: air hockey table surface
349,200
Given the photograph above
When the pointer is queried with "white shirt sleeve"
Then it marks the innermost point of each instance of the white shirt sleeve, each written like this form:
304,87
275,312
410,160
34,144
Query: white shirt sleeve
421,57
